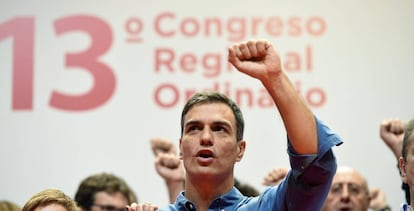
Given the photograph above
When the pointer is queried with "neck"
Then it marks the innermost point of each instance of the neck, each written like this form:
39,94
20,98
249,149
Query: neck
203,190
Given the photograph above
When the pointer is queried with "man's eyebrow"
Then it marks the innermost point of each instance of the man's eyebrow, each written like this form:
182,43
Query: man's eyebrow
192,122
217,122
347,183
225,123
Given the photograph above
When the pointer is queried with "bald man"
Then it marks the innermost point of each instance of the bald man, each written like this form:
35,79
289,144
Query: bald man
349,191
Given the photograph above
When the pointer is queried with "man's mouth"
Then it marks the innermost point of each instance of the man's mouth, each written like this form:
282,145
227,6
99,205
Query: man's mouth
345,208
205,154
205,157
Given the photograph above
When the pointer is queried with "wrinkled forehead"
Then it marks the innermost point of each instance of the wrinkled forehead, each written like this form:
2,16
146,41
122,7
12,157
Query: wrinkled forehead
348,176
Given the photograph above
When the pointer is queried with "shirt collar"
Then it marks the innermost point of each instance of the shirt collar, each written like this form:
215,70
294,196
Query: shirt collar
231,198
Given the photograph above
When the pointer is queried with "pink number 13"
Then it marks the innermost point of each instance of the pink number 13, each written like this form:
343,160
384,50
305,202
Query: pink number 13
22,31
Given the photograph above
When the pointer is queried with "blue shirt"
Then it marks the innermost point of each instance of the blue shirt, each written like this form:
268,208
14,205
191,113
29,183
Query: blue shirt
406,207
304,188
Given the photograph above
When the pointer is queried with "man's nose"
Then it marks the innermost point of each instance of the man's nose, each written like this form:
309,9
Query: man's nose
345,193
206,137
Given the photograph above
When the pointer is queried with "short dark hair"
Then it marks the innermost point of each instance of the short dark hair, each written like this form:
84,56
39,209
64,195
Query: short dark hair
206,97
102,182
246,189
407,134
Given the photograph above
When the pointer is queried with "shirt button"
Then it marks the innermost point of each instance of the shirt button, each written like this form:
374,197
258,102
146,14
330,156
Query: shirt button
189,206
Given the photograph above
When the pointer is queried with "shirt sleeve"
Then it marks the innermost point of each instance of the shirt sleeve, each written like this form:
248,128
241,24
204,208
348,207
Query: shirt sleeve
308,182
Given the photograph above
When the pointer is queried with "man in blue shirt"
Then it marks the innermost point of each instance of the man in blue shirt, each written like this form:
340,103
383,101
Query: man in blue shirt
406,163
212,142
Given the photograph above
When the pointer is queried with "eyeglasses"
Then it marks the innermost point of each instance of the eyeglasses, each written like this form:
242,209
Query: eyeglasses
109,207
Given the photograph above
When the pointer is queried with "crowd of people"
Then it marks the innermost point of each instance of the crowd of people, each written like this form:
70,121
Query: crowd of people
200,176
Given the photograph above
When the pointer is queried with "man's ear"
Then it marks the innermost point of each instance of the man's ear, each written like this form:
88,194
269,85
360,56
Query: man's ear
403,172
180,155
241,149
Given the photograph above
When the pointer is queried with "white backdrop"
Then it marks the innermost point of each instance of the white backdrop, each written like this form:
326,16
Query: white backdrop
66,114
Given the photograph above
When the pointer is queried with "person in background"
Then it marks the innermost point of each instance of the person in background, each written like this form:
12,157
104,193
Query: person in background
212,142
245,188
6,205
168,166
406,162
392,134
104,192
349,191
50,200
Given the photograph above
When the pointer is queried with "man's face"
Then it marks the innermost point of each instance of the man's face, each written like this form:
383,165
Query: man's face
208,145
109,202
348,192
407,169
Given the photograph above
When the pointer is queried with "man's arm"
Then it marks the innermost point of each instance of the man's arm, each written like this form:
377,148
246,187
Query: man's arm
171,169
392,134
169,166
260,60
160,145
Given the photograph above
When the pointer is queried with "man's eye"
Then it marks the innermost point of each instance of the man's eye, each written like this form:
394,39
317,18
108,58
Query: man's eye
355,189
336,189
219,129
193,128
